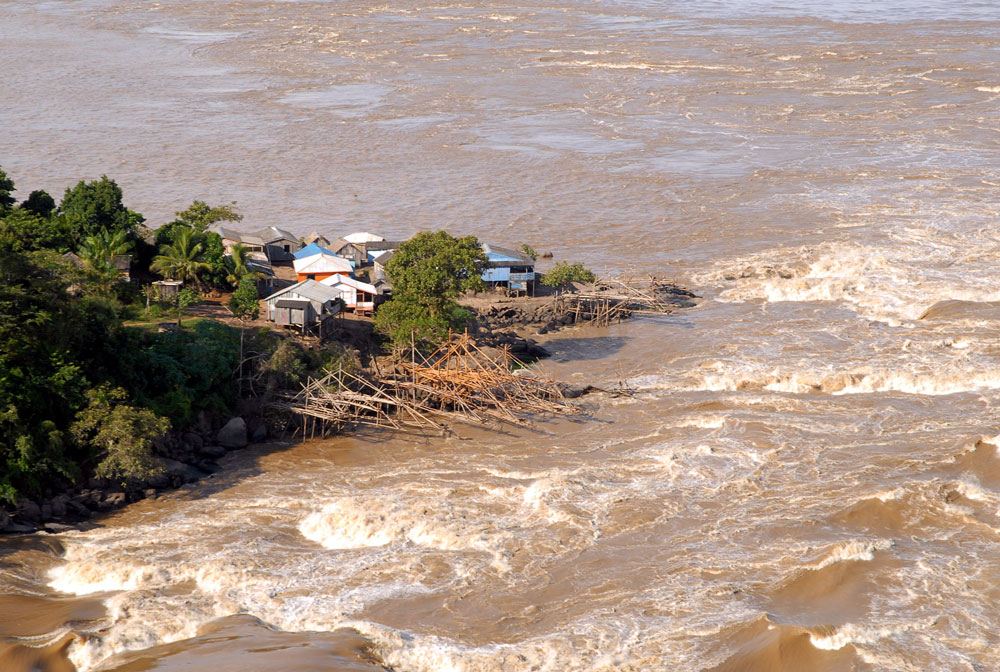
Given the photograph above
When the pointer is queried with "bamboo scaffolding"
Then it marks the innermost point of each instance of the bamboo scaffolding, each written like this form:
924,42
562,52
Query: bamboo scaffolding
458,381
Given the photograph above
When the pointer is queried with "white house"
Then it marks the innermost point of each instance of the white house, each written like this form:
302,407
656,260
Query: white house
321,266
360,296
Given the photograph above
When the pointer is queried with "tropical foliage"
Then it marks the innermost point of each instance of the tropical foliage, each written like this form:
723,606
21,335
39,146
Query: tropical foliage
428,273
182,259
80,393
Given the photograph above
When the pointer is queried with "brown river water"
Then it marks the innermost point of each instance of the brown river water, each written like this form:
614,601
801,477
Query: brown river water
806,478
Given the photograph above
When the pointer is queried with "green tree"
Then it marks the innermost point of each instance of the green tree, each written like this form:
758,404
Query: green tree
182,259
120,435
52,344
245,302
200,215
564,273
529,250
186,297
40,203
100,249
428,273
6,191
22,230
244,305
91,206
238,266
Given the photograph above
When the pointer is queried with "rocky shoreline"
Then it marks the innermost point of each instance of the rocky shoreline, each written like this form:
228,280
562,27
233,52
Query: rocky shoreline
187,456
192,454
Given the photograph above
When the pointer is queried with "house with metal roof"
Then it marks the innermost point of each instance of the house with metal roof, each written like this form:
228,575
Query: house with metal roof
307,305
353,252
316,237
279,245
509,268
232,237
312,249
356,295
363,237
320,266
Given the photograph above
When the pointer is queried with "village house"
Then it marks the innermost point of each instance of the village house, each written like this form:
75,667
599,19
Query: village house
279,245
353,252
379,264
307,305
231,238
509,268
356,295
320,266
316,237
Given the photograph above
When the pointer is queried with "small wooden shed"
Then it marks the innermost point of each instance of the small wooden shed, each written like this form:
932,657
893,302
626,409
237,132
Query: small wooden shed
306,305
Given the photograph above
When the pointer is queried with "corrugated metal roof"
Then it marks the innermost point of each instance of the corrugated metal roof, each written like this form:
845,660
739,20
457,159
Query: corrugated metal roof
309,289
311,249
323,263
272,233
363,237
316,237
237,236
335,280
503,254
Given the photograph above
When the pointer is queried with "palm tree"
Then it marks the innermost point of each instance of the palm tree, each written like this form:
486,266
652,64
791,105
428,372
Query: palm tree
182,259
238,265
99,251
101,248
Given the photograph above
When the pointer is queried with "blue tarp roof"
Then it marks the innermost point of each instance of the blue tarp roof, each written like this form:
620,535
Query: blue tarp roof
311,249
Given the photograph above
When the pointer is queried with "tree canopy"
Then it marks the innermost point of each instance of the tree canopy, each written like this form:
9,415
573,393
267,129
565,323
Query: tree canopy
6,191
183,259
40,203
80,393
200,215
91,206
428,273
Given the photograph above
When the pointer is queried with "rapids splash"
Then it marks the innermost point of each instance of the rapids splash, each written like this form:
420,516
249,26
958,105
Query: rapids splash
807,475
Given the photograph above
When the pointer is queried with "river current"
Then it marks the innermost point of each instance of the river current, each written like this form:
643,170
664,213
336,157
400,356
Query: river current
807,477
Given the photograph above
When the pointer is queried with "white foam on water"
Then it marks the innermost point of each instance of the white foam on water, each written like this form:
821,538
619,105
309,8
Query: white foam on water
890,284
955,378
357,522
852,633
854,551
891,495
85,574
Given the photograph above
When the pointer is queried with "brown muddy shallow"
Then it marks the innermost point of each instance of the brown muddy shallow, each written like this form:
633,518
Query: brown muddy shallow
806,477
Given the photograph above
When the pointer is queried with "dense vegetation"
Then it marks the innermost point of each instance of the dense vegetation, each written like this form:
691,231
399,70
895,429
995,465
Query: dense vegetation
80,393
428,273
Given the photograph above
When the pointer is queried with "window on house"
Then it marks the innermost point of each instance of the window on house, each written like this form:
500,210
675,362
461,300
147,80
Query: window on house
287,249
311,276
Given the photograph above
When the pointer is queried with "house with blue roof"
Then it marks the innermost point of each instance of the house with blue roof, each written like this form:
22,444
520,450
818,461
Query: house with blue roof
509,268
311,249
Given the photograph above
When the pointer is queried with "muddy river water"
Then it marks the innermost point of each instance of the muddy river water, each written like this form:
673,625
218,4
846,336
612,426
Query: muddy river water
806,478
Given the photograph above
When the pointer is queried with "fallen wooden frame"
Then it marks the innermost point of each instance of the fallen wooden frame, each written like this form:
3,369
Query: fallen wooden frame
459,382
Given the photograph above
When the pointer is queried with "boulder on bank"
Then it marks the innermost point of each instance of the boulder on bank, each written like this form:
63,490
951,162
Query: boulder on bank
233,434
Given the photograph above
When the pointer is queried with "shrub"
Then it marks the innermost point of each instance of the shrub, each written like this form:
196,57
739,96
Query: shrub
564,273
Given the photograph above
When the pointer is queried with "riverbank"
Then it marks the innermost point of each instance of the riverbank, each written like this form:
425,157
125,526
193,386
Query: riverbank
518,325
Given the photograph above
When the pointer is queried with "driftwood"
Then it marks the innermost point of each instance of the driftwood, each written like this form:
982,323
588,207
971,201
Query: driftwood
459,382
